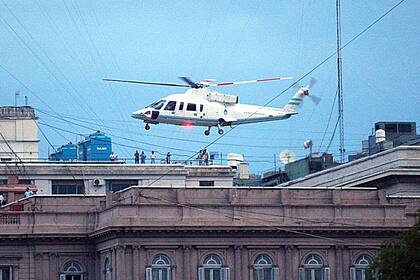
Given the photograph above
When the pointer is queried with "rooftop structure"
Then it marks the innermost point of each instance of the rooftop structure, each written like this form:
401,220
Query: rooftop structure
19,133
91,178
392,170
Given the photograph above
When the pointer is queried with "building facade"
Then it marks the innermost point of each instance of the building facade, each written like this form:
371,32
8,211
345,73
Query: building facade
211,232
200,234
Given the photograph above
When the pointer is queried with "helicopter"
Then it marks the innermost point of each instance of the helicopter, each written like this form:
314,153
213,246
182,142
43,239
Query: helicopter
202,106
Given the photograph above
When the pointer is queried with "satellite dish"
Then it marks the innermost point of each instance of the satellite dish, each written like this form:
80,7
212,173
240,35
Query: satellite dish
287,156
307,144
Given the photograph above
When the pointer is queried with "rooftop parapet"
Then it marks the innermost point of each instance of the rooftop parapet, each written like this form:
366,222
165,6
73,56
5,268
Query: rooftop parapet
20,112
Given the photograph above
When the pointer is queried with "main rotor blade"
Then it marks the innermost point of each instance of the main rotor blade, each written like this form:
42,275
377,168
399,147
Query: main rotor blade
146,83
251,81
189,81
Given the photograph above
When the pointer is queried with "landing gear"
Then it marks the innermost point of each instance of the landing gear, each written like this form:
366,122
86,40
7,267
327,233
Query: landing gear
147,126
219,126
207,132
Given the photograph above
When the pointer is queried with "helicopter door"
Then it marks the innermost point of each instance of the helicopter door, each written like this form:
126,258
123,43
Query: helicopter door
180,110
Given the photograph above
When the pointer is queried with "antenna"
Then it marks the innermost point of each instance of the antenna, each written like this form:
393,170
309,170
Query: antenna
340,82
17,93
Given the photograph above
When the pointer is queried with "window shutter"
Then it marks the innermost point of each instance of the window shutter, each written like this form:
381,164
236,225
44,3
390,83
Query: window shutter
148,273
326,273
301,273
225,273
276,273
352,273
62,277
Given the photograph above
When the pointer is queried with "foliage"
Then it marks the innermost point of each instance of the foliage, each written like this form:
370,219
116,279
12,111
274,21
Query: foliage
399,259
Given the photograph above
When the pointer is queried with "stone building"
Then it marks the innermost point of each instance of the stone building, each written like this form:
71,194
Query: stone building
209,233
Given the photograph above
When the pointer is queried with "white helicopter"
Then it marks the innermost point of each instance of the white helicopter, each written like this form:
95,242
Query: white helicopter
201,106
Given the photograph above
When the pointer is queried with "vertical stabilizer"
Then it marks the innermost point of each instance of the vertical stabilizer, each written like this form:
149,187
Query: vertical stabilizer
297,99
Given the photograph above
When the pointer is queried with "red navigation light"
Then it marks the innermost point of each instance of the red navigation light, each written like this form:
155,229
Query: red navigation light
187,124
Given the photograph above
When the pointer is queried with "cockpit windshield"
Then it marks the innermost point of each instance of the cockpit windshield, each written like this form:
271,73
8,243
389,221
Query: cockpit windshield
158,105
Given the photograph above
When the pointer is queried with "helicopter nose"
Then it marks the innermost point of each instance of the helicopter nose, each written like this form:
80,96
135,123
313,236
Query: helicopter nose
139,114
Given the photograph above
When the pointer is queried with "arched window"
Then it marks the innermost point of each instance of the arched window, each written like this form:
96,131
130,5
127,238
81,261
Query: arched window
314,269
213,269
161,268
107,269
361,269
72,271
263,268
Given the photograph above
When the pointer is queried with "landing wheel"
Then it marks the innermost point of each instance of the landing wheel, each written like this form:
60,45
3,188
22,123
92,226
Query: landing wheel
220,131
207,132
147,126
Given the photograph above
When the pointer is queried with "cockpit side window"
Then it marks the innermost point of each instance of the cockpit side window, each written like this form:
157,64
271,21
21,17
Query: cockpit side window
158,104
181,106
170,106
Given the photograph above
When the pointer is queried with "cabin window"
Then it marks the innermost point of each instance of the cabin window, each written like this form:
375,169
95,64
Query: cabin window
158,105
191,107
170,106
181,106
201,107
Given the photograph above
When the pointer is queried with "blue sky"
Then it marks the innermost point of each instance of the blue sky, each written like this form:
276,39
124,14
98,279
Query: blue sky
60,51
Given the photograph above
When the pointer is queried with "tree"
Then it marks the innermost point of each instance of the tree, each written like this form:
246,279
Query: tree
399,259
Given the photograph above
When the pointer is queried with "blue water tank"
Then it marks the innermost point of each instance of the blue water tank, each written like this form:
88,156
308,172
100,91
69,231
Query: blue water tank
66,152
96,147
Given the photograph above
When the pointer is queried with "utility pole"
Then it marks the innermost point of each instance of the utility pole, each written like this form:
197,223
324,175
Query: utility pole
340,82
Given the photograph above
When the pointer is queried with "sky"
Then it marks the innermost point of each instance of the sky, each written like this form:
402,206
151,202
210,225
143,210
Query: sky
57,53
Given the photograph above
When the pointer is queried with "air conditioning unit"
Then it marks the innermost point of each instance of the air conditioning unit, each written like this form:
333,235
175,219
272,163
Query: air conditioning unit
98,182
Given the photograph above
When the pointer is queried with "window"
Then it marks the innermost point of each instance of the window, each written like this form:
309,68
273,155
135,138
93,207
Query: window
404,128
181,106
107,269
191,107
361,270
263,269
206,183
6,273
117,185
161,268
24,181
158,104
314,269
212,269
72,271
201,107
68,187
391,127
170,106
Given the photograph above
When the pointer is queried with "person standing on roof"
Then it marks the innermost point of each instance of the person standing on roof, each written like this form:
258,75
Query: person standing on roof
142,157
28,192
168,158
2,200
136,157
153,157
